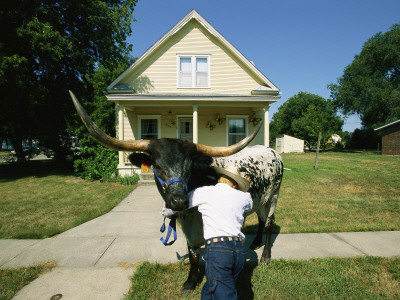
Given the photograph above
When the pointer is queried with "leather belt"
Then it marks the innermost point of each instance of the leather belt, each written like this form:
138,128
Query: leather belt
224,239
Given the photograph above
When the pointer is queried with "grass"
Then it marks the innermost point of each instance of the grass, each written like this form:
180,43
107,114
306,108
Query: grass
43,199
348,192
330,278
12,280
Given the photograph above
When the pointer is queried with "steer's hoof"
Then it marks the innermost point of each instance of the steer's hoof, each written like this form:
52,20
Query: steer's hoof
189,286
265,260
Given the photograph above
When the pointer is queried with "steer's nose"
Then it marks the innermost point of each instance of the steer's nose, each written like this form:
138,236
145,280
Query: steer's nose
178,202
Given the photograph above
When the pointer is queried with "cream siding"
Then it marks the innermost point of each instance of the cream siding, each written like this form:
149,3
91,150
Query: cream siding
259,139
158,72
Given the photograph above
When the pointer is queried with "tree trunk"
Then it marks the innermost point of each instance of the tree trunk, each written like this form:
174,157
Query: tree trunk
316,154
17,145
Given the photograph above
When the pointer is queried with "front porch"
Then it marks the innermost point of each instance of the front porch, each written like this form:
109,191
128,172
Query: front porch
210,123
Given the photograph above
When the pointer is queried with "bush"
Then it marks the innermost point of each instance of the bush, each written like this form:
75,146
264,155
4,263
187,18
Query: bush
100,163
96,163
129,180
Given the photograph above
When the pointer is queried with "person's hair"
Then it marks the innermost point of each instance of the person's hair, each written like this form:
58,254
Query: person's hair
227,180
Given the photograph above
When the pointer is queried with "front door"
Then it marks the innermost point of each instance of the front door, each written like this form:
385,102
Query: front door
185,129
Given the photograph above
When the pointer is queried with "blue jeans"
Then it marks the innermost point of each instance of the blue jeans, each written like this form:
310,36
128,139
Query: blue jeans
223,263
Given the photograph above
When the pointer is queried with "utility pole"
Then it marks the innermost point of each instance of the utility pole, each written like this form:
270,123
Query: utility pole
316,155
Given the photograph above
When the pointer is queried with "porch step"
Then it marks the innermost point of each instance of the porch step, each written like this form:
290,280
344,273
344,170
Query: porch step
147,179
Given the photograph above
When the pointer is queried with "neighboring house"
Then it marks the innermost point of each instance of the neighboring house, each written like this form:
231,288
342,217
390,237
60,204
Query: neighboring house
287,144
390,138
192,84
334,139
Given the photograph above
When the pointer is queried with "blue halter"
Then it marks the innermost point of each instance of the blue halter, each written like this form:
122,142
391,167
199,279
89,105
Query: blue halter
172,223
166,184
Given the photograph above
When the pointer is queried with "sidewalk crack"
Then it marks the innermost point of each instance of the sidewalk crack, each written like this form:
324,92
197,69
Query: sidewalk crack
20,253
105,251
334,235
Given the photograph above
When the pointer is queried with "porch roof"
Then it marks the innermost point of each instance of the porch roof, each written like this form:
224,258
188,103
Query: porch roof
178,99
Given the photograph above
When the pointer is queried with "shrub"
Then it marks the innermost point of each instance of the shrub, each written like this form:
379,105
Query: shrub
129,180
100,163
96,163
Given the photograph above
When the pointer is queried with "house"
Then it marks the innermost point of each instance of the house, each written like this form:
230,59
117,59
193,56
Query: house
390,138
192,84
287,144
334,139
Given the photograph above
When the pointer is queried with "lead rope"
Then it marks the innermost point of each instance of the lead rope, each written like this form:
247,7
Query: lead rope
171,228
172,223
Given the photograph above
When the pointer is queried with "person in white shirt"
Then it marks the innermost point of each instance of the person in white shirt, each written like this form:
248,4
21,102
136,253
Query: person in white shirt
222,207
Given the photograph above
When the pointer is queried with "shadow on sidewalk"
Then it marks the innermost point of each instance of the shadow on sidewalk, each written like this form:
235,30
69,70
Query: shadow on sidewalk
244,284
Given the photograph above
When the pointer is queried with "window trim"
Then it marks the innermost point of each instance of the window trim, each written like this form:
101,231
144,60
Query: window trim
230,117
193,62
147,117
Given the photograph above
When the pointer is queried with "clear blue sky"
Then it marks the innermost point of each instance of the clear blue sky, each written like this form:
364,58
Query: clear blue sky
300,45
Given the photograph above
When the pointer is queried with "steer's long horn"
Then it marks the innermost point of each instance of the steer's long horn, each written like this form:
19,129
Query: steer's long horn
103,138
225,151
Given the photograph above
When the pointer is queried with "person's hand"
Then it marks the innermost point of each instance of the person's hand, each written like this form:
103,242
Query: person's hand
247,178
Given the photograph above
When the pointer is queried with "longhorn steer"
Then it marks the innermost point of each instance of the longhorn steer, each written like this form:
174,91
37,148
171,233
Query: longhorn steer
192,165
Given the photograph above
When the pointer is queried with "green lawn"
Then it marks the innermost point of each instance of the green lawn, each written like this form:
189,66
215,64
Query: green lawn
12,280
348,192
330,278
43,199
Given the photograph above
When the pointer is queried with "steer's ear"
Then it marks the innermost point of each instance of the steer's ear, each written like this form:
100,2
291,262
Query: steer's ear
140,158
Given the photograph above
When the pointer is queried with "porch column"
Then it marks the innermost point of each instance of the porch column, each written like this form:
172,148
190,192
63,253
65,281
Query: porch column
266,126
121,160
195,125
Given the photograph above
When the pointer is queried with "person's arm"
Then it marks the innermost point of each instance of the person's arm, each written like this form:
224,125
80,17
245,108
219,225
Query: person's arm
194,198
248,202
167,212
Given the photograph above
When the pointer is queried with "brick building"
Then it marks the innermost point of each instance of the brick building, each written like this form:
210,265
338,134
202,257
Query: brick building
390,138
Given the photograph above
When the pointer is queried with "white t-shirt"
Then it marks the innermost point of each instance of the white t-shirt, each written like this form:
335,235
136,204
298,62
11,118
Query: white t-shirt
222,209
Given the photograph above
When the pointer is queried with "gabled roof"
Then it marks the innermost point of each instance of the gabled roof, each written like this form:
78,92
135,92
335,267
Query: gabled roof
388,125
193,14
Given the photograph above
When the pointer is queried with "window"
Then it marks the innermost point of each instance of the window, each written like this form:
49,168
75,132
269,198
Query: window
185,129
236,130
193,71
149,127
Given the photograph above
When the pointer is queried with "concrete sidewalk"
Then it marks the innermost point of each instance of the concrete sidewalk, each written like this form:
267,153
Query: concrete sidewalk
96,259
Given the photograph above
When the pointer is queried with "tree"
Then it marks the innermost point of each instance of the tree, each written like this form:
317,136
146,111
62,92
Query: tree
99,108
48,47
304,116
370,85
96,161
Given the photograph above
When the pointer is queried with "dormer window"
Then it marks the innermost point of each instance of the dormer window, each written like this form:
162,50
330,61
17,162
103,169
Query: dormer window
193,71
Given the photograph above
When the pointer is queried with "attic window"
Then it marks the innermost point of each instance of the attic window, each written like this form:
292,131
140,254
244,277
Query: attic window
193,71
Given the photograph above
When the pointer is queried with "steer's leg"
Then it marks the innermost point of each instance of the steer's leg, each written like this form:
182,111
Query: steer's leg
258,239
266,255
192,280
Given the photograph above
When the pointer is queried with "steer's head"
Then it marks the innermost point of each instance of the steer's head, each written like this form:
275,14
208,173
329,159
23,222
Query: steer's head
178,168
188,165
